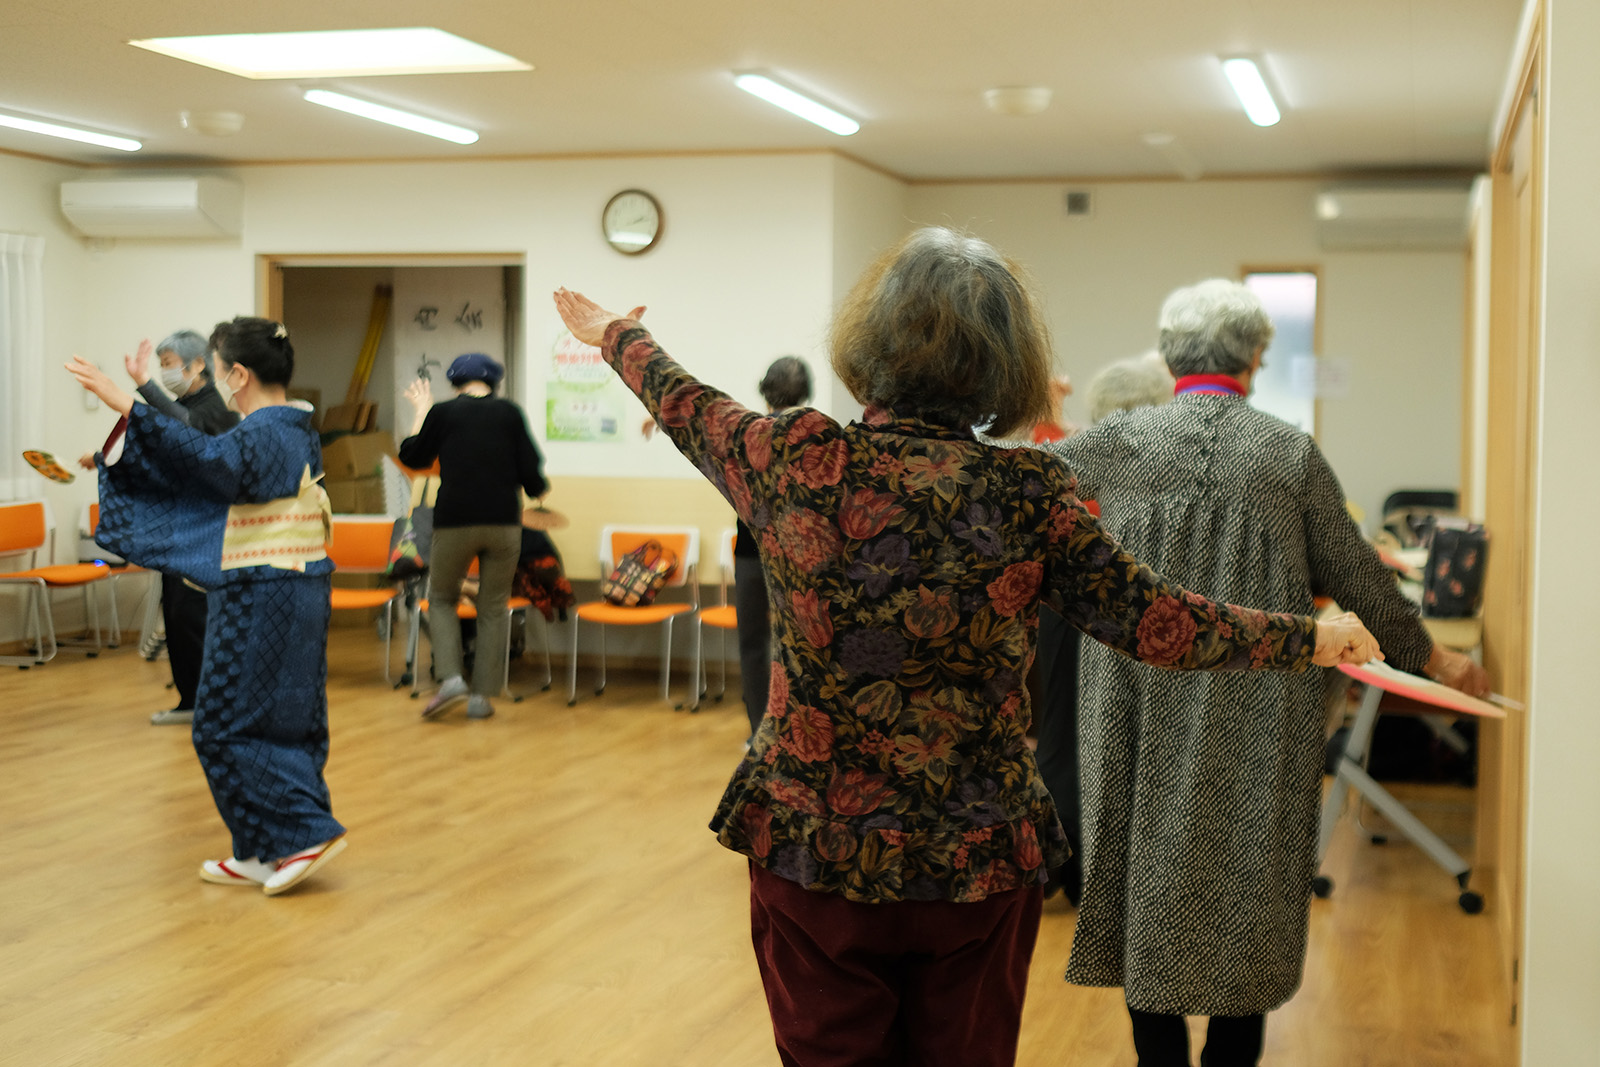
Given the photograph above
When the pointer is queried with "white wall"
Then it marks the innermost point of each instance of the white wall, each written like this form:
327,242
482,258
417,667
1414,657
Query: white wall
1393,317
1561,956
870,213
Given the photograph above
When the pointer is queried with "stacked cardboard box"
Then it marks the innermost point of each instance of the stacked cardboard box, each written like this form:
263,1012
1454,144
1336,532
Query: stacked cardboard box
353,472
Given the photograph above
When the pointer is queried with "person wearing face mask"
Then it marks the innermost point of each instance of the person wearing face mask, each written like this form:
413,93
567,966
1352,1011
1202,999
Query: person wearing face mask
244,515
185,363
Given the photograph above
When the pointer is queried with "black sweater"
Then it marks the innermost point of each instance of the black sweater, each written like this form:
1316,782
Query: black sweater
485,454
203,409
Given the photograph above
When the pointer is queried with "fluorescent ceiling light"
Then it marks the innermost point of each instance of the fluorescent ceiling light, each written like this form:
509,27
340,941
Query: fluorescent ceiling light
1252,90
792,102
70,133
335,53
393,116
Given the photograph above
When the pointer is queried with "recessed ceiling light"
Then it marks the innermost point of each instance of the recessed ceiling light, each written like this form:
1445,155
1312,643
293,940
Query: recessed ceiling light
1251,89
335,53
70,133
782,96
392,116
1018,101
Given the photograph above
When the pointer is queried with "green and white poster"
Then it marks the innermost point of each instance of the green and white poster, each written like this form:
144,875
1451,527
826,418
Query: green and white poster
583,399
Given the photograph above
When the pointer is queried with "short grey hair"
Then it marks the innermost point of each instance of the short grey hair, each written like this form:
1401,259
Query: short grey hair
1212,328
188,346
1127,384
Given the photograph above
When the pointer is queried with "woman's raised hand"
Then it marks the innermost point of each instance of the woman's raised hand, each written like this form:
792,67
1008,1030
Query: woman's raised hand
138,364
420,393
586,319
94,380
1343,639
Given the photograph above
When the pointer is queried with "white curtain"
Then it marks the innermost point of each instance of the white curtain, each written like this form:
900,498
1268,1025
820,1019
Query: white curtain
21,360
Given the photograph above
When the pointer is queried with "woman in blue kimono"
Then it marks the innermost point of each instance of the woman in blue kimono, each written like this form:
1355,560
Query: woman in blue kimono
244,516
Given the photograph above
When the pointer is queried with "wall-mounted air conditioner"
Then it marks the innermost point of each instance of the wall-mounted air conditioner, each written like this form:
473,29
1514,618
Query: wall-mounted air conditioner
1422,216
154,207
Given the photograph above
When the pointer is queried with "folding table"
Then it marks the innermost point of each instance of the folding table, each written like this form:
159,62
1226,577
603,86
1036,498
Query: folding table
1377,679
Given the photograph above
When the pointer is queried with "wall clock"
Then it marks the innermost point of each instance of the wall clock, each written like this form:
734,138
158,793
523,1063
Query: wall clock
631,222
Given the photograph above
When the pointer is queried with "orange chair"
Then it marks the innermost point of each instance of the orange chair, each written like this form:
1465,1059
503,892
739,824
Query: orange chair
616,542
360,545
25,528
723,617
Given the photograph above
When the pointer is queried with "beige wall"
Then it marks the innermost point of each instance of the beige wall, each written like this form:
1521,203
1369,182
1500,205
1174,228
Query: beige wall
1561,957
1393,317
869,216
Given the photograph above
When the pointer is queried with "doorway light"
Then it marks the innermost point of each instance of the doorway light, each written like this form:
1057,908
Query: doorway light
335,53
1251,89
796,104
392,116
70,133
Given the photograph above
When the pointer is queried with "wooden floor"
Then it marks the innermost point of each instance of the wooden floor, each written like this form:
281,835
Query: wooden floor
537,889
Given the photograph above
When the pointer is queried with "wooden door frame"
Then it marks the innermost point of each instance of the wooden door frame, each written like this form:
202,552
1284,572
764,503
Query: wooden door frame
1508,507
269,268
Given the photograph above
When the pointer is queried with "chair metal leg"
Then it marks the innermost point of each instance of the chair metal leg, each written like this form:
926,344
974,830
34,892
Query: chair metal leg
42,648
601,687
666,661
152,617
388,640
572,665
548,677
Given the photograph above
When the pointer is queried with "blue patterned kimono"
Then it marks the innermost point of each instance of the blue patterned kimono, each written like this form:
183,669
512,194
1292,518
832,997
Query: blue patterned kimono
261,712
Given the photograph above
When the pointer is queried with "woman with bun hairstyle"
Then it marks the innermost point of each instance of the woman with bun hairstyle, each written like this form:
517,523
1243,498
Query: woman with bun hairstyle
485,454
244,516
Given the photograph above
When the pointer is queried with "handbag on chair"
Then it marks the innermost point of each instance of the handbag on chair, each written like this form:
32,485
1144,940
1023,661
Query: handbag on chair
639,576
411,540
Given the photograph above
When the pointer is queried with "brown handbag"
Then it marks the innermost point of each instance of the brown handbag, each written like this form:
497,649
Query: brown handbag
639,575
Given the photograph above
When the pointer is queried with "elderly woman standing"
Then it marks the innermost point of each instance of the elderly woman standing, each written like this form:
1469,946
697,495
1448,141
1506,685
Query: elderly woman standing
895,825
486,455
1201,791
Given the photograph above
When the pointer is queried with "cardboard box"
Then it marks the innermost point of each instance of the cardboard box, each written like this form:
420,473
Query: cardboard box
355,496
356,455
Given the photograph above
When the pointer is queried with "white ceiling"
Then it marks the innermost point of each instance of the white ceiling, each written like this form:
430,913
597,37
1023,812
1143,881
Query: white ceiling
1365,84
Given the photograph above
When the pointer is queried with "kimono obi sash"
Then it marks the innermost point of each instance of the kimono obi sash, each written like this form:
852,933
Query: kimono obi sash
287,533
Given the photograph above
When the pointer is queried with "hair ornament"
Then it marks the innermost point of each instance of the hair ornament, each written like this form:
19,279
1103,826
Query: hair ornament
281,331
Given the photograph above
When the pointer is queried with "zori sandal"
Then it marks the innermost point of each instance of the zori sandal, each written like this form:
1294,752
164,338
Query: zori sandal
236,872
292,870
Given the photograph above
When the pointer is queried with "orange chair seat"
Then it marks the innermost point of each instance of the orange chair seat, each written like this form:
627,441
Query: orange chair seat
468,610
362,598
612,615
65,573
723,618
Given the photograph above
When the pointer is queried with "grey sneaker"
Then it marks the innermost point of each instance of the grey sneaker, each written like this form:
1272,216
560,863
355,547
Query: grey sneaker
479,707
174,717
452,694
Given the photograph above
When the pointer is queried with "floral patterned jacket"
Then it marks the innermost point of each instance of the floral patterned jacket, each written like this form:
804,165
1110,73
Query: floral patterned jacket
905,563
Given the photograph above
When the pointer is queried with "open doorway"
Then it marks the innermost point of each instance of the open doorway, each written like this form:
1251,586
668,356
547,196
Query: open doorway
365,327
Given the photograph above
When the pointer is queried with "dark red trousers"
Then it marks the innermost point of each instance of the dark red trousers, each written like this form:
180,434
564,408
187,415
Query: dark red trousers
919,983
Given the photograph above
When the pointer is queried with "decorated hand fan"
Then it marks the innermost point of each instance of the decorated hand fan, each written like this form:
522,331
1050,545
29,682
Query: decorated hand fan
46,464
542,518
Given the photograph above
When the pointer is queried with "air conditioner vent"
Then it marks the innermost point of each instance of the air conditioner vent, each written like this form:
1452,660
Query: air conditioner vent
154,207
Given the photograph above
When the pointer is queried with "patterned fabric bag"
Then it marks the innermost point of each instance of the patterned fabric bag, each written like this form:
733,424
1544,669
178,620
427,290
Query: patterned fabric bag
1453,585
639,576
412,538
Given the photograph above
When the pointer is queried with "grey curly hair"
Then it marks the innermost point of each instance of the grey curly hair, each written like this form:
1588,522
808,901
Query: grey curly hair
1214,327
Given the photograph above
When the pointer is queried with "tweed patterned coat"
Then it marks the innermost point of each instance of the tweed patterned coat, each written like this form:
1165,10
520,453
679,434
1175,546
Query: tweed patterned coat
1201,792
